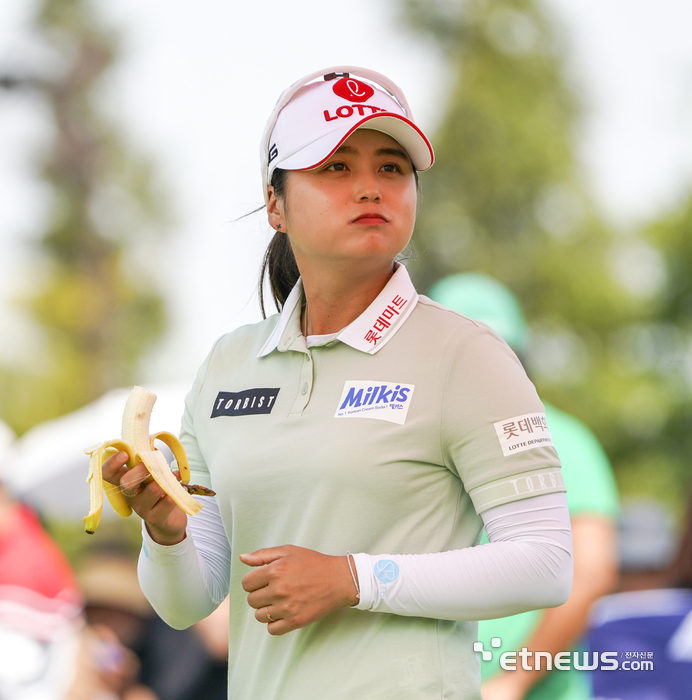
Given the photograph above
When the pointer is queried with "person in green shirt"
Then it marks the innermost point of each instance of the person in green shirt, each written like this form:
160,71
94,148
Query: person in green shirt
593,505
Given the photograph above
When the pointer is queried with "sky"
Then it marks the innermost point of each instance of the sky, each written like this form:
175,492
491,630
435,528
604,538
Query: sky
196,82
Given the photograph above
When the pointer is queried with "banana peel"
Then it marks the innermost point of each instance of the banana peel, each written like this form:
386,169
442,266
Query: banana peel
140,447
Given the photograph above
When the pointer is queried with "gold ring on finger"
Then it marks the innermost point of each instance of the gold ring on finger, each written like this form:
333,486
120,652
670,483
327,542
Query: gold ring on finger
270,618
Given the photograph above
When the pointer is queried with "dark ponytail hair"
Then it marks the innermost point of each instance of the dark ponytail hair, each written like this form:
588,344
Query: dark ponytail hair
279,263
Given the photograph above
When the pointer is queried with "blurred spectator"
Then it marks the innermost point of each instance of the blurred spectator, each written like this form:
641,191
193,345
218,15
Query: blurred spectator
159,662
189,664
47,652
105,669
649,622
96,638
40,602
117,614
593,505
646,545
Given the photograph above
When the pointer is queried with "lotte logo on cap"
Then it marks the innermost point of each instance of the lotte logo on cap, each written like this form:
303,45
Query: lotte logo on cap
353,90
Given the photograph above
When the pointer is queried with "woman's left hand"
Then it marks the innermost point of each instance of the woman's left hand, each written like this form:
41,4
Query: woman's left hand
293,586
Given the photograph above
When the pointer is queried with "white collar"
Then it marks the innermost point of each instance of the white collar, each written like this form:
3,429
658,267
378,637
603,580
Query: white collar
372,330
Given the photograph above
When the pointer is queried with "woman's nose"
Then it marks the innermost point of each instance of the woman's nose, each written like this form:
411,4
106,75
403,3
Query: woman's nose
367,188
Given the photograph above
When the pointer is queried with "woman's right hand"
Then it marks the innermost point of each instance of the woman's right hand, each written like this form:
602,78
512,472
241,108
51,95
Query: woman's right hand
165,521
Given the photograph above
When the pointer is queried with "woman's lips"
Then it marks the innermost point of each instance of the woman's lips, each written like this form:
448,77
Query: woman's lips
370,219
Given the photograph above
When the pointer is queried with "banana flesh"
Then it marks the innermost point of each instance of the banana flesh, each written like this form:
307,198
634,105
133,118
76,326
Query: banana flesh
139,446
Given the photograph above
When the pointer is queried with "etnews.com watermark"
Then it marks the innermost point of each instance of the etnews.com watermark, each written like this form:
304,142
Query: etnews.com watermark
567,660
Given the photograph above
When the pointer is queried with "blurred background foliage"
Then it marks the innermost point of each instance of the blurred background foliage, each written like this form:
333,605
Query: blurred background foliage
609,310
92,296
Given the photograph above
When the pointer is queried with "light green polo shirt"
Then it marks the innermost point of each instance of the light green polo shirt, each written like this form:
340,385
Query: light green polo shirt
388,439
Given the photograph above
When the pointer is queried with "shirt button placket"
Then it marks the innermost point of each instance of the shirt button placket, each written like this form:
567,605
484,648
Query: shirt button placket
305,384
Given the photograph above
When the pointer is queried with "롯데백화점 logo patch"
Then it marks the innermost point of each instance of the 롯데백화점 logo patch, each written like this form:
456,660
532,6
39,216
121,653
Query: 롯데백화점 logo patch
523,433
375,399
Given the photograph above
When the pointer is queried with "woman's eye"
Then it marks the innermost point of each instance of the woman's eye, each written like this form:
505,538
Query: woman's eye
391,168
338,167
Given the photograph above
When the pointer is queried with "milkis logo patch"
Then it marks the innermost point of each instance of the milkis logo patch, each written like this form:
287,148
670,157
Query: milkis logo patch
380,400
244,403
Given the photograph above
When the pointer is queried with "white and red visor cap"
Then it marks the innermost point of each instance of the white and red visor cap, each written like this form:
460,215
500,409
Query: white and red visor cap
319,112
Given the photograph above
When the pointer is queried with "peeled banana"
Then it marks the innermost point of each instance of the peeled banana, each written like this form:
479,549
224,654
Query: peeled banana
139,446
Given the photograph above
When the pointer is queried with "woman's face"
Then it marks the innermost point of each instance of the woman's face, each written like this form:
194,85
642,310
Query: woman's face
358,205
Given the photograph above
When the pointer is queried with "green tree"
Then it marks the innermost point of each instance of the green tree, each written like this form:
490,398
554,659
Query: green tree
661,347
506,197
97,308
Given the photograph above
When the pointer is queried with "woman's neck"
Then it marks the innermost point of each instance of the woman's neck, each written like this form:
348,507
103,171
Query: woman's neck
335,299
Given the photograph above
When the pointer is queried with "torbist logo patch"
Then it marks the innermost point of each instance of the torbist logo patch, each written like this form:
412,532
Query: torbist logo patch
250,402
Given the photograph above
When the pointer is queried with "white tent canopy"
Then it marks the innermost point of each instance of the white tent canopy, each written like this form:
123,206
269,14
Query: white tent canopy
48,467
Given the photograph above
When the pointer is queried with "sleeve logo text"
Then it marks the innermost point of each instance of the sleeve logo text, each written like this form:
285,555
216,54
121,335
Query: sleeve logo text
523,433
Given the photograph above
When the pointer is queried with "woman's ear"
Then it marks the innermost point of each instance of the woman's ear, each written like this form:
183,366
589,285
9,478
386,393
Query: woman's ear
275,211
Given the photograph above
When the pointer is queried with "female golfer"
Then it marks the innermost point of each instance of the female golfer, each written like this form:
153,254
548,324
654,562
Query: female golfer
357,442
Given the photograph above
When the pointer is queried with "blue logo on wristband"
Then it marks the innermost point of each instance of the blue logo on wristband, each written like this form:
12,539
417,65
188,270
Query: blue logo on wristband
386,570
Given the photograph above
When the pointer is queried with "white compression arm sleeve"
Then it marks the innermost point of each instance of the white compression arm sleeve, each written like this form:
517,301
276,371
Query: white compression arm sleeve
186,582
527,565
